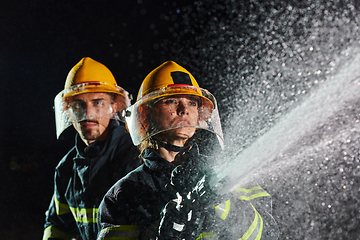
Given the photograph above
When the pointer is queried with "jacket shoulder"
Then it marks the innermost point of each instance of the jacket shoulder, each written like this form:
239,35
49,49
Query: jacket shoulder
130,182
126,153
67,161
123,138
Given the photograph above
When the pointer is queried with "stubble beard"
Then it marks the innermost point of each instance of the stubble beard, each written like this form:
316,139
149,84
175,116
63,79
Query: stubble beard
90,134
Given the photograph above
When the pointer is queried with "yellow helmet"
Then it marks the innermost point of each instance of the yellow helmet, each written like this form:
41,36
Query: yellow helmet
167,80
88,76
171,79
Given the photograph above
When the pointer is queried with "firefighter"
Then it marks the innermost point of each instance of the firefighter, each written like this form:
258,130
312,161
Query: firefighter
103,153
170,195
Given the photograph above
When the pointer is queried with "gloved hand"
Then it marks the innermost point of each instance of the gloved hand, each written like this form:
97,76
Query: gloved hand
191,179
172,221
182,217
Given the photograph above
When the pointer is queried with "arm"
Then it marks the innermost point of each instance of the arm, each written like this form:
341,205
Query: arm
116,213
59,222
244,213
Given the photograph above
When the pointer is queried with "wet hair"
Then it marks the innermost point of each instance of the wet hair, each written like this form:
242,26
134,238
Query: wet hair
113,96
148,143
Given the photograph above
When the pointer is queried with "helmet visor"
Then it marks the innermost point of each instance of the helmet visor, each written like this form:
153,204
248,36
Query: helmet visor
73,110
153,114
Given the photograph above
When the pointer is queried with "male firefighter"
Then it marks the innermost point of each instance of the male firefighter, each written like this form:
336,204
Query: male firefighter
103,153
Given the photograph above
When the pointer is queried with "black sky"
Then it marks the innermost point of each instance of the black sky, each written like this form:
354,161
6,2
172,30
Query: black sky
40,42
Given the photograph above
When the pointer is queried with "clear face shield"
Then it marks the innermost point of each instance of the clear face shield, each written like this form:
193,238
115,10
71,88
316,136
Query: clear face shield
157,113
84,102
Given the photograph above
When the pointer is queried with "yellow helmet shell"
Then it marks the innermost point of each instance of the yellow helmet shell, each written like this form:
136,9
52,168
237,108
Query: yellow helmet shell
167,74
173,79
87,76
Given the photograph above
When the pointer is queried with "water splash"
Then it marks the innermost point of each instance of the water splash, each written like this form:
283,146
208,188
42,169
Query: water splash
316,110
285,74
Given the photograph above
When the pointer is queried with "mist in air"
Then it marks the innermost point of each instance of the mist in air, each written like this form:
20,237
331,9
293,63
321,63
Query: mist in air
286,77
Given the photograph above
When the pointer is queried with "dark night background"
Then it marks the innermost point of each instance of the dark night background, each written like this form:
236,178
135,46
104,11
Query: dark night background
259,58
40,42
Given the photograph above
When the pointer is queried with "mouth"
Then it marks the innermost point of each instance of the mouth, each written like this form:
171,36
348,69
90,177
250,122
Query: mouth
182,123
89,124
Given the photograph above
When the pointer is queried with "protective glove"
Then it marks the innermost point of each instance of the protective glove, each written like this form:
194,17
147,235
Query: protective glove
193,180
180,220
182,217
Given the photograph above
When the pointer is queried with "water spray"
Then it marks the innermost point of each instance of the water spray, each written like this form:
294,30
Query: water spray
327,99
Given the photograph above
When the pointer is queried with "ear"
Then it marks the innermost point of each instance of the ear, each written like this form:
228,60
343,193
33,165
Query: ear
120,103
115,107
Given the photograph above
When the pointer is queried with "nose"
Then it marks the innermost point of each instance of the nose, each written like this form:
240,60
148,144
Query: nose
90,111
182,108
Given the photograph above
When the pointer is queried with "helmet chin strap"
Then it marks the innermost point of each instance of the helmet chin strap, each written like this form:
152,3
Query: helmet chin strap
171,147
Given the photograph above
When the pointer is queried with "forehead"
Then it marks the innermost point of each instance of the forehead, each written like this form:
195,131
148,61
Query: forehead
89,97
182,96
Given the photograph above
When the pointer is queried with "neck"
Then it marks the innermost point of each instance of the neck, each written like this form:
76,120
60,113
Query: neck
169,149
166,154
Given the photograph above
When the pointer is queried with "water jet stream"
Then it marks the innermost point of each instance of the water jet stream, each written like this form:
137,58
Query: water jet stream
331,96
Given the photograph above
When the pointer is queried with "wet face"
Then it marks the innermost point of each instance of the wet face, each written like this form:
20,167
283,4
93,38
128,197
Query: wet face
177,112
91,113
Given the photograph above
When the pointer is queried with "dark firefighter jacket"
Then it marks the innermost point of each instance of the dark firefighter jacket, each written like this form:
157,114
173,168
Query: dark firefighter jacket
82,178
131,209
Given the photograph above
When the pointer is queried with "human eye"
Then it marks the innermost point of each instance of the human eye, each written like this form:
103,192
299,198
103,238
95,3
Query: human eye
169,101
193,103
99,103
76,105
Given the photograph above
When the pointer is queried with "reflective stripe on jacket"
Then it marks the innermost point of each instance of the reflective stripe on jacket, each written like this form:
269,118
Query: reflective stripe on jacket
83,215
207,235
244,213
53,232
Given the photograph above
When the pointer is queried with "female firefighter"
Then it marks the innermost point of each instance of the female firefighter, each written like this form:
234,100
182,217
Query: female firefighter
168,197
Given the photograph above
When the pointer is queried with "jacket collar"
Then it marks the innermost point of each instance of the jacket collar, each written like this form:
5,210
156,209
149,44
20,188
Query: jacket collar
155,162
